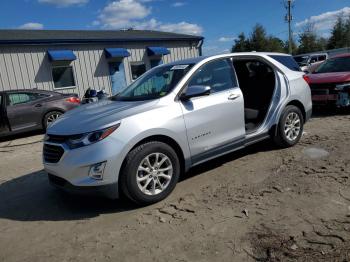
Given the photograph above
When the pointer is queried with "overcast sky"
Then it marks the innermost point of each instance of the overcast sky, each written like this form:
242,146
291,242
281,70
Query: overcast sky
219,21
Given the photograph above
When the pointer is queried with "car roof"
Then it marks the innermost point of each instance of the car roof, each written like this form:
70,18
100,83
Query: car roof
31,91
201,58
188,61
312,54
342,55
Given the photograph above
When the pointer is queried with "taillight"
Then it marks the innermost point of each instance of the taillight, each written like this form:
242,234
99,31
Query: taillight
307,79
73,99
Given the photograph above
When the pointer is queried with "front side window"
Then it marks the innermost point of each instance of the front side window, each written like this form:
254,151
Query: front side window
156,83
21,98
337,64
63,76
218,75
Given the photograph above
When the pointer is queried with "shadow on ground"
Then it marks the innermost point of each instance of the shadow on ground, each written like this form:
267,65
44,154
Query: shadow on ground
9,138
327,111
31,198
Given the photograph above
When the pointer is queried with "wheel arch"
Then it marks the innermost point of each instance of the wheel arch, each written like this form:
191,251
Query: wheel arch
49,111
274,129
299,105
167,140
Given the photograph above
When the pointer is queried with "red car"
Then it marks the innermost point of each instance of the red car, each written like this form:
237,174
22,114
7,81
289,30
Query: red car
330,83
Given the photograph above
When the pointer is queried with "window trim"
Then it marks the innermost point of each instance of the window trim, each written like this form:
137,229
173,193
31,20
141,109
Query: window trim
66,87
177,98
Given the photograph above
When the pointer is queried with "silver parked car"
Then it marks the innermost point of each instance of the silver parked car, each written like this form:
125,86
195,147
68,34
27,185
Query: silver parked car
174,117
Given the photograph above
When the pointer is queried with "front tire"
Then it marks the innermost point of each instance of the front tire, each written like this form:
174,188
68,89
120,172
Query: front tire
290,127
51,117
150,173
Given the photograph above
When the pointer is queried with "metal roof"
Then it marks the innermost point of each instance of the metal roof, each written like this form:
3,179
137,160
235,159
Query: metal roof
16,36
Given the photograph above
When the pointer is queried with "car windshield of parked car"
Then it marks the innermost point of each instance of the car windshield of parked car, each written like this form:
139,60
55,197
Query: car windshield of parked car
154,84
301,60
338,64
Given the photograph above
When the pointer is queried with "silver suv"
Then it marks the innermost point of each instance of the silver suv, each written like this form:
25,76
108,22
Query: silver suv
174,117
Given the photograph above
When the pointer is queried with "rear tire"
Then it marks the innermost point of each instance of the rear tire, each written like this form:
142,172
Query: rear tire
290,127
150,173
51,117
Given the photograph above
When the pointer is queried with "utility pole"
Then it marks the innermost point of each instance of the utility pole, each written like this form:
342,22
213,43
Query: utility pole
289,19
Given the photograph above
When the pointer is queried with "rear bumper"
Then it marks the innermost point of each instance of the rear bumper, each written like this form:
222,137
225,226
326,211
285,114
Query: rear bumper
308,115
110,191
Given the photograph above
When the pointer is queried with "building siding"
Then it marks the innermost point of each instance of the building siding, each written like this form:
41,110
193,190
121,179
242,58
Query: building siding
28,67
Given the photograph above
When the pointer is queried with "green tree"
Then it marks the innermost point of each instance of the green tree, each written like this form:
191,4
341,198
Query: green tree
258,41
308,40
274,44
241,44
338,35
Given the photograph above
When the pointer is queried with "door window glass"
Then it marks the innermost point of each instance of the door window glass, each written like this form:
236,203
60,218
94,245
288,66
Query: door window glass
217,74
21,98
63,76
321,58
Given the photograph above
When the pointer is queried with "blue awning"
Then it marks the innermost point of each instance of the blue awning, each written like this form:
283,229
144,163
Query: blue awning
116,52
157,51
61,55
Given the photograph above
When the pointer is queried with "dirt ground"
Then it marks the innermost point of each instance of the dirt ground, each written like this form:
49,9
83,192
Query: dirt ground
259,204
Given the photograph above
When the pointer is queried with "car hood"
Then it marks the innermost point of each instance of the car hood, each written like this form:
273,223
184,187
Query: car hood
329,78
96,116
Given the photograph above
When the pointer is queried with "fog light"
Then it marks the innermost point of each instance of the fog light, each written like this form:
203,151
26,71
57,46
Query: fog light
97,170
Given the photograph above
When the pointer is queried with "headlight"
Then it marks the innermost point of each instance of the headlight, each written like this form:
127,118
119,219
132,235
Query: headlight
90,138
342,87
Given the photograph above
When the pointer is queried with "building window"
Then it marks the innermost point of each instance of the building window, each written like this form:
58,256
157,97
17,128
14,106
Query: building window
156,62
137,69
63,76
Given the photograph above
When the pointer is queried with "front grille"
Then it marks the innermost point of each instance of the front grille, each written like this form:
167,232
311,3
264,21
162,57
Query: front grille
52,153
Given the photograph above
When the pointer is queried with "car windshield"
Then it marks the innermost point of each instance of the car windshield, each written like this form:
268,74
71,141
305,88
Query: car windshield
338,64
156,83
301,60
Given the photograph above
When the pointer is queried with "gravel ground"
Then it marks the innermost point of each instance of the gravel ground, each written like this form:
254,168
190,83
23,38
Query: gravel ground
259,204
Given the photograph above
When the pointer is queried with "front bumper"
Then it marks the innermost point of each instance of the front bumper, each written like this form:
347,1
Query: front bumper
110,191
71,172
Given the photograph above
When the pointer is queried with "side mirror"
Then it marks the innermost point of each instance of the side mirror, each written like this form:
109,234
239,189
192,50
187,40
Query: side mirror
195,91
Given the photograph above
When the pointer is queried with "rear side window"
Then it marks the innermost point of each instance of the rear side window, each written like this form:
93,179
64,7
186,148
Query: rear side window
287,61
22,98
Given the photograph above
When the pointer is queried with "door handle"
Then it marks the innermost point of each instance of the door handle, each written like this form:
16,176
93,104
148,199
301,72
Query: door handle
233,96
38,105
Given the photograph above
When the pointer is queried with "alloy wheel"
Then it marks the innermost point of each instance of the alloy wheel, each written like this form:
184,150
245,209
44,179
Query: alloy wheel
52,118
292,126
154,174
